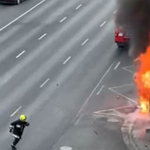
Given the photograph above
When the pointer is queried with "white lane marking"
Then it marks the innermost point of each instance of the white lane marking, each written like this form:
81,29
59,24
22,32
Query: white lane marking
124,68
15,111
111,109
22,15
78,6
100,90
63,19
94,89
65,148
78,120
20,54
41,37
112,120
44,82
103,24
67,60
117,66
106,114
128,66
120,86
85,42
129,99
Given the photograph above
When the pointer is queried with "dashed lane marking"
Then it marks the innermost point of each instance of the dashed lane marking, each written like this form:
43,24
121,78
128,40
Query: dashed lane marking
44,82
65,148
85,42
103,24
20,54
41,37
78,6
67,60
117,65
100,90
63,19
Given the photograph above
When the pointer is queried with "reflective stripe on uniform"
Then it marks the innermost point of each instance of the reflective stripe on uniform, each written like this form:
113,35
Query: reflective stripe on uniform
16,136
18,126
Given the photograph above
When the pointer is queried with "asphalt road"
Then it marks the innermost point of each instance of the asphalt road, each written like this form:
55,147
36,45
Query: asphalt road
54,54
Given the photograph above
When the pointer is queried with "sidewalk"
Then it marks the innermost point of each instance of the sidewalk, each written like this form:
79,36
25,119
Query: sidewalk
140,139
134,131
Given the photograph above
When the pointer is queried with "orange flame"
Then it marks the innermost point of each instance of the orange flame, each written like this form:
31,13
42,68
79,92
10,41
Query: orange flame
142,80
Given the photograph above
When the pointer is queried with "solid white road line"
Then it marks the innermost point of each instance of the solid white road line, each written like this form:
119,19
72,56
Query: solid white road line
20,54
63,19
78,6
103,24
128,70
15,111
117,66
129,99
84,42
120,86
129,66
67,60
100,90
22,15
44,82
94,89
42,36
106,114
78,120
115,108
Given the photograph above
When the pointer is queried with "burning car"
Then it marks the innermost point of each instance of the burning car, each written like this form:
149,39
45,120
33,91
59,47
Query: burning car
121,37
142,80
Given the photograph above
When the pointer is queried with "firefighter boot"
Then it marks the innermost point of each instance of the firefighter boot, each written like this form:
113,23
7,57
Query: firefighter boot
13,147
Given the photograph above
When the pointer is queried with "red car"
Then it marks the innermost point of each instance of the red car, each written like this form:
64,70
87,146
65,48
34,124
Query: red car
11,1
121,37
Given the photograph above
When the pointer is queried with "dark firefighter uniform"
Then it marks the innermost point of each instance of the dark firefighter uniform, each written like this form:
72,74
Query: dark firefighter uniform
17,128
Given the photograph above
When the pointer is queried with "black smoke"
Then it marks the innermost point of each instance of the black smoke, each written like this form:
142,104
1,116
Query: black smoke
135,14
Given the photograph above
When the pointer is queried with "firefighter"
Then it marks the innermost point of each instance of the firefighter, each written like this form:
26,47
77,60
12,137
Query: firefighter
17,128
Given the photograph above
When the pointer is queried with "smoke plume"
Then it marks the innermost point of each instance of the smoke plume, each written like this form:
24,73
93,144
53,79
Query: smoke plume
135,14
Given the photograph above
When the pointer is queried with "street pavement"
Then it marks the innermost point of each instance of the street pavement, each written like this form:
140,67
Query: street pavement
100,120
54,57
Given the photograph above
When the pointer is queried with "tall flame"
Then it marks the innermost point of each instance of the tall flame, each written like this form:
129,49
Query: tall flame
142,80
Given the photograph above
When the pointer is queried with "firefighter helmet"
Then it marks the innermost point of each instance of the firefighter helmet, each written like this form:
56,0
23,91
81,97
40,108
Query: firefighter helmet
23,117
